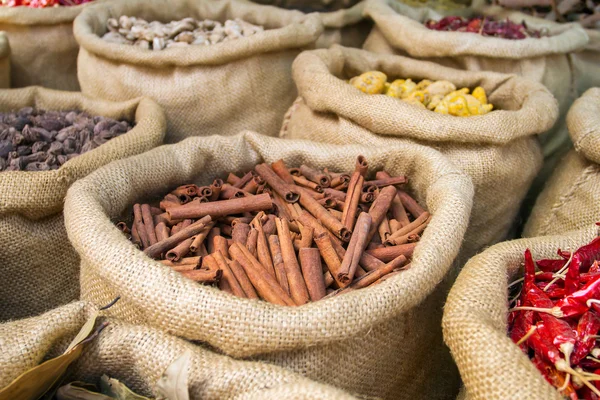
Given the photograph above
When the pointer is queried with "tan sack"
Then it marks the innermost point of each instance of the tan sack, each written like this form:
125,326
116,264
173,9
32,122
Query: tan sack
43,49
399,30
218,89
39,268
475,320
4,61
380,341
499,150
571,198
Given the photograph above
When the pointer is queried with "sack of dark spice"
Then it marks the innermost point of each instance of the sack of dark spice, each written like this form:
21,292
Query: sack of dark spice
388,334
498,150
483,333
570,198
39,266
138,357
43,49
220,88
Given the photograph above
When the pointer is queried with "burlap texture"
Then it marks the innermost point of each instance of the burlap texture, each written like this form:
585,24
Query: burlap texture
399,30
39,267
381,341
4,61
475,320
570,199
43,49
204,90
137,356
343,25
498,150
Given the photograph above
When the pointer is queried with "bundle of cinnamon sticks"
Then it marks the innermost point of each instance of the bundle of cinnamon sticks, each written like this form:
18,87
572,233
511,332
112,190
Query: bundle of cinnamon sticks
284,235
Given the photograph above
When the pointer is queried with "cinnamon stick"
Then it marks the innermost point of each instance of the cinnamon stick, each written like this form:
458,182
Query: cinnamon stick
262,249
406,230
315,176
199,238
285,190
410,204
377,274
298,288
168,243
356,247
310,260
242,278
228,275
139,225
379,209
281,170
352,200
162,231
203,275
302,181
148,223
387,254
241,181
321,214
252,241
215,209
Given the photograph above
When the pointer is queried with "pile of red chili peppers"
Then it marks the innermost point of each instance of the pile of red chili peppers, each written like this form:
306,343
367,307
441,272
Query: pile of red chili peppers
556,319
42,3
485,26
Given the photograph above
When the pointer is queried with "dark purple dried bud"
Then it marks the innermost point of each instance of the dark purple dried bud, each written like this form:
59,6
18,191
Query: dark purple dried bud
39,146
17,163
2,164
30,135
51,159
62,159
69,146
37,166
104,125
17,139
20,122
23,150
69,131
45,135
25,112
6,147
71,116
50,124
88,146
35,157
56,148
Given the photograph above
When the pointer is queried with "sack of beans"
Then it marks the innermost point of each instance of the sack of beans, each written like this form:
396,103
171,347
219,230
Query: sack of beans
296,223
343,20
498,150
43,49
43,134
538,50
215,67
137,357
570,199
522,322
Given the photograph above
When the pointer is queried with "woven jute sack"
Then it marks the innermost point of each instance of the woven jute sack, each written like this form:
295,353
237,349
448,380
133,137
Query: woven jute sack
499,150
475,320
4,61
381,341
39,268
219,89
399,30
137,356
43,49
344,23
570,199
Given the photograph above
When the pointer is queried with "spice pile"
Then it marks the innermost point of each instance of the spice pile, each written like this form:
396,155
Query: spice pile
42,3
38,140
288,236
485,26
158,36
439,96
556,320
586,12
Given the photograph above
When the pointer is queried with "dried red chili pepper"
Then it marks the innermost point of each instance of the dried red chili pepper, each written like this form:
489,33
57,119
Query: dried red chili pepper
577,303
587,328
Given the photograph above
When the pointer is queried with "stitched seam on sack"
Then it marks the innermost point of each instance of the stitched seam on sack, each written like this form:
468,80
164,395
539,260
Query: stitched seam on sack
562,200
288,116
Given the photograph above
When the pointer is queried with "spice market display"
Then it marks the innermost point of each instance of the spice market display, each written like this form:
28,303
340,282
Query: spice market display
285,241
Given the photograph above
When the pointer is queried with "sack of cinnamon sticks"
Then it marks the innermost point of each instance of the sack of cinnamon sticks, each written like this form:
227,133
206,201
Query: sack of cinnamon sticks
343,20
476,320
39,267
43,49
400,29
205,88
498,150
570,198
137,356
386,333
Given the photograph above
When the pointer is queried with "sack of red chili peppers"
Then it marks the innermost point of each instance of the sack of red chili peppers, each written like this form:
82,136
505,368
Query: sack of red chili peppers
343,20
380,341
498,150
570,199
216,67
137,357
48,140
538,50
43,49
521,320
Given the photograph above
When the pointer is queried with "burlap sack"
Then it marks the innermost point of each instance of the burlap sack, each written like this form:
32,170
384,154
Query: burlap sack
137,356
43,49
498,150
475,320
570,199
4,62
39,268
204,90
381,341
399,30
343,25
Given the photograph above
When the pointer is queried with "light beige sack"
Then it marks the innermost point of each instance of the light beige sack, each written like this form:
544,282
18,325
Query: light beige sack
43,49
380,341
399,30
498,150
205,90
39,268
137,356
475,320
571,198
344,23
4,62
